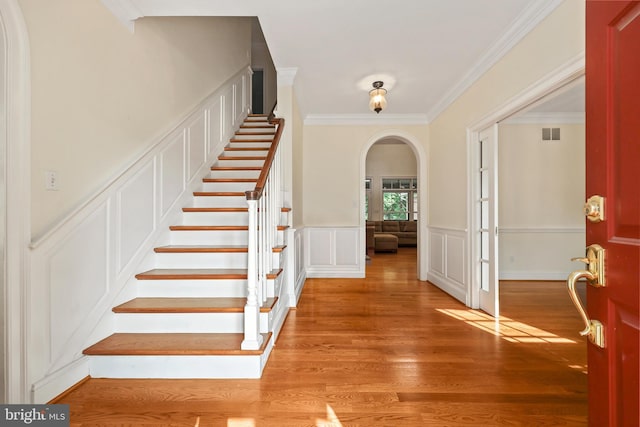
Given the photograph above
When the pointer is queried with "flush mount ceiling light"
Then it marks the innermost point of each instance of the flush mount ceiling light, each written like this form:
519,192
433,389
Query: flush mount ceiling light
377,100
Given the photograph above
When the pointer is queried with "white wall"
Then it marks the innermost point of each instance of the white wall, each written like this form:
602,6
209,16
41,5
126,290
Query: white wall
541,193
386,160
100,94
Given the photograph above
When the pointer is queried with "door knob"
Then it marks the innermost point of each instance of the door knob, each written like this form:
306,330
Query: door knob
595,277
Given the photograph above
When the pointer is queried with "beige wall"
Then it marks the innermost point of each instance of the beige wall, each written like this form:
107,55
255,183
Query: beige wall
541,183
298,160
557,40
331,169
101,95
383,161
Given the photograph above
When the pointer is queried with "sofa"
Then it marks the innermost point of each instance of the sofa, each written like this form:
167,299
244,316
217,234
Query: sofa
405,231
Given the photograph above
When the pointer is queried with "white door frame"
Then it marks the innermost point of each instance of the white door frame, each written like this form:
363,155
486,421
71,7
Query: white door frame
563,75
423,198
17,81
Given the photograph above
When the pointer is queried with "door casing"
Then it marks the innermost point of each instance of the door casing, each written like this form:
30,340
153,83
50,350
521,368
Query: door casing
562,76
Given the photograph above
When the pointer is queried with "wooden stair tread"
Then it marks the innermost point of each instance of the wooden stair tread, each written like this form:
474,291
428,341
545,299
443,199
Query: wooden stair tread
173,344
254,133
189,305
218,193
191,209
201,248
236,168
193,273
262,126
223,157
229,179
266,141
199,274
209,249
246,148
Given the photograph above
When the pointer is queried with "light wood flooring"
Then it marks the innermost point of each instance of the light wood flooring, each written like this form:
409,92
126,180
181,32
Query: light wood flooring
388,350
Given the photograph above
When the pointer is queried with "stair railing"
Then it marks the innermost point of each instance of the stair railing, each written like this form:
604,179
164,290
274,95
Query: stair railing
265,202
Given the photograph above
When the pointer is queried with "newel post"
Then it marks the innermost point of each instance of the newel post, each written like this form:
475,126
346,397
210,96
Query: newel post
252,337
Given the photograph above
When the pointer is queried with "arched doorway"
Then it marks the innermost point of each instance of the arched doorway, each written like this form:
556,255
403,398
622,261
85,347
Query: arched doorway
421,175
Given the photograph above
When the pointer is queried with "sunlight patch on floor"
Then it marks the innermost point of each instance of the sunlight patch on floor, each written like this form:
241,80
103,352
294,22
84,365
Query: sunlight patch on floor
241,422
508,329
331,420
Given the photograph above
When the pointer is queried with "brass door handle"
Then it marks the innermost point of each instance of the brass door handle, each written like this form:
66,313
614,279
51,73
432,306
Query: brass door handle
593,328
595,277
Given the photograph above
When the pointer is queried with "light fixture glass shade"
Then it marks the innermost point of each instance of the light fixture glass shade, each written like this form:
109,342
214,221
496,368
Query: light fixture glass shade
377,100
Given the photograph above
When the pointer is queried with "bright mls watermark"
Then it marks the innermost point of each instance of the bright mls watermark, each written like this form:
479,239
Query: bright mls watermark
34,415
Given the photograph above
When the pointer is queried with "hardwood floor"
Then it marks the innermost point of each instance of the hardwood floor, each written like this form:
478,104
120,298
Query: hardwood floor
383,351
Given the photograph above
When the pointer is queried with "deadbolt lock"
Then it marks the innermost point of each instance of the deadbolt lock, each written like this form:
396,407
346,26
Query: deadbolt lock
594,208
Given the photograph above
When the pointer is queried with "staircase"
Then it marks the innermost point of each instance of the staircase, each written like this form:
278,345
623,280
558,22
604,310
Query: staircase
192,314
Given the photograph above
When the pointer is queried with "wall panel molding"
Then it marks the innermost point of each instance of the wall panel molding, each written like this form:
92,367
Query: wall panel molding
448,261
333,252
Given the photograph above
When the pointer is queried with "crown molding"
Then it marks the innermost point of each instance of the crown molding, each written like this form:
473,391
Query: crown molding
365,119
125,11
523,24
286,76
546,118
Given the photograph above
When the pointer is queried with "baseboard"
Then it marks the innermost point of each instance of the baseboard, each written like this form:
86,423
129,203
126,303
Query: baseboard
51,386
452,288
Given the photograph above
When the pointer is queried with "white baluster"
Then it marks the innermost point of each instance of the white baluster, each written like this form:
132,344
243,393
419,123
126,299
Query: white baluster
252,337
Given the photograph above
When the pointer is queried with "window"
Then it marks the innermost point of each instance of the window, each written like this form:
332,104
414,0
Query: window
400,199
367,197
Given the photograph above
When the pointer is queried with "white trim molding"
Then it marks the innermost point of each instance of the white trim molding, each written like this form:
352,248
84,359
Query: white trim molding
546,118
365,119
286,76
125,11
524,23
17,83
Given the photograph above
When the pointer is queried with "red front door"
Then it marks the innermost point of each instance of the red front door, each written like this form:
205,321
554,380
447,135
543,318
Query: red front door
613,171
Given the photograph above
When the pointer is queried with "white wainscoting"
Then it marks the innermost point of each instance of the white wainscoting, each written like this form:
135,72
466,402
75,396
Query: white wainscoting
448,261
539,253
79,269
300,273
333,252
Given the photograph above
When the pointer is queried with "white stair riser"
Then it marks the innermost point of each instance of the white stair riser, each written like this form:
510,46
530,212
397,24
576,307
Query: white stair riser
249,366
226,288
201,260
210,323
179,323
228,186
215,218
239,163
252,144
220,202
209,237
234,174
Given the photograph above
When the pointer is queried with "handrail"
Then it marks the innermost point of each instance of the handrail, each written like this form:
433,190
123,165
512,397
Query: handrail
264,206
256,193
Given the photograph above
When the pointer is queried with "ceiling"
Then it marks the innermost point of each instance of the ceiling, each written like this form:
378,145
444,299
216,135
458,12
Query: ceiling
427,52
